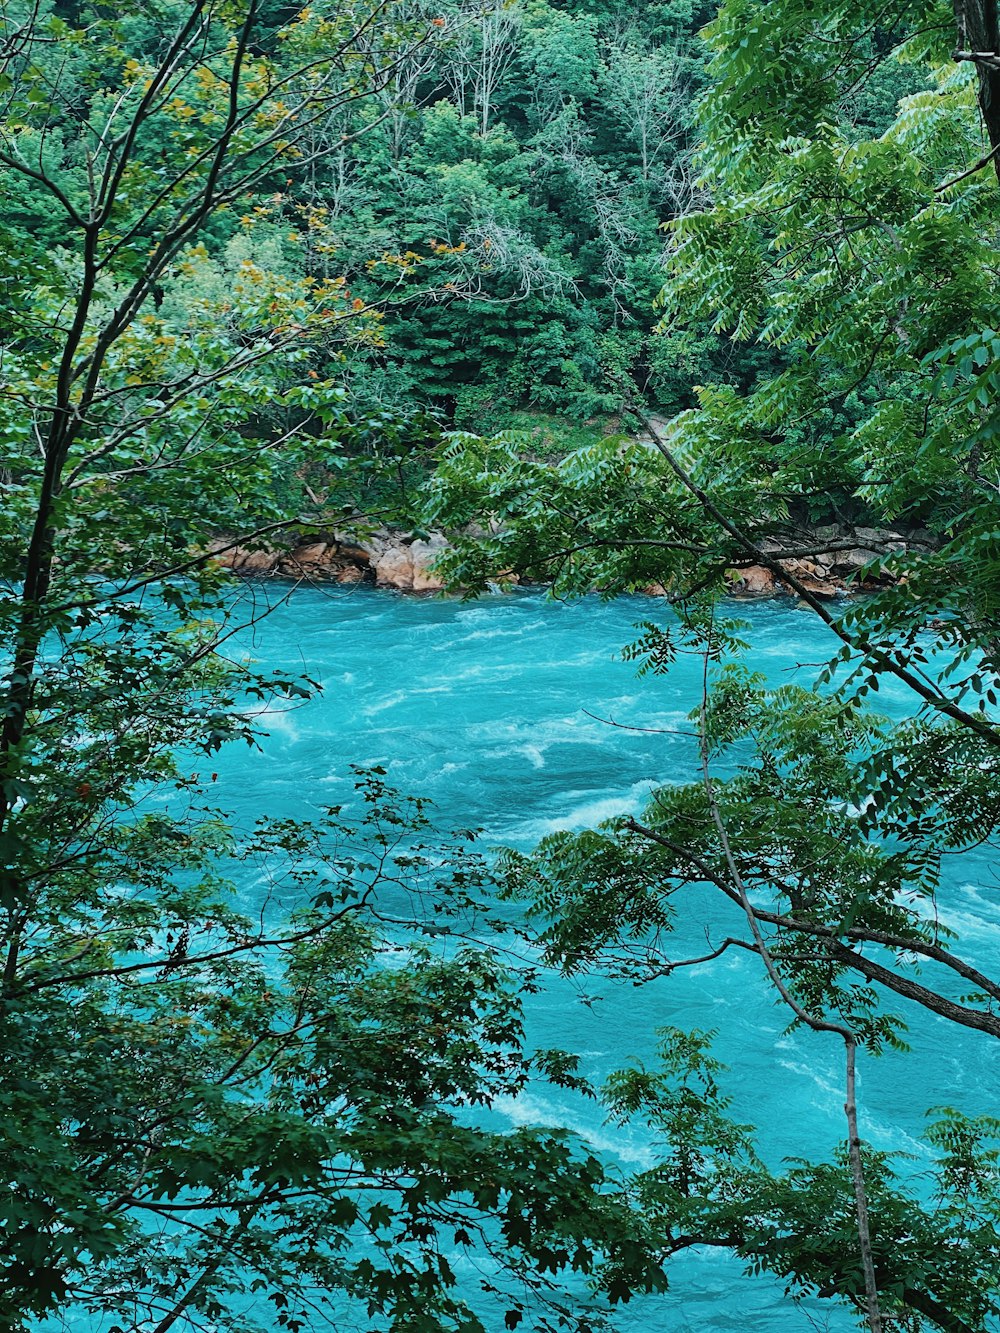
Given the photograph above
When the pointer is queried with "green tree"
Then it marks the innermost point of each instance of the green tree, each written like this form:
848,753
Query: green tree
644,95
508,179
203,1107
858,264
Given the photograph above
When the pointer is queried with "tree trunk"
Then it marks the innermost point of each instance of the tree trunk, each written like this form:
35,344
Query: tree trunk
979,41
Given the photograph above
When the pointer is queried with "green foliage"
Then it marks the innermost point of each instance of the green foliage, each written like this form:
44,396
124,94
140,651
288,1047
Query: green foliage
847,241
502,209
207,1110
240,261
200,1105
935,1249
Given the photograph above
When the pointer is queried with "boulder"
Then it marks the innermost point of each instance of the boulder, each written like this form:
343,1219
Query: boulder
350,550
883,538
755,581
822,588
261,561
394,568
848,562
803,569
313,554
827,532
422,555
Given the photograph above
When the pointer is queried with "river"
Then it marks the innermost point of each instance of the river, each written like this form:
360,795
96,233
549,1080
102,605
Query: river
493,710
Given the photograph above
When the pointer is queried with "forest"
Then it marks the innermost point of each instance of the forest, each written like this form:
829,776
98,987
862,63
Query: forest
620,304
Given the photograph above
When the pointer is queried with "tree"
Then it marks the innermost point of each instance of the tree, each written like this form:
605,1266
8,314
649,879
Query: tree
643,93
497,32
863,268
550,204
203,1104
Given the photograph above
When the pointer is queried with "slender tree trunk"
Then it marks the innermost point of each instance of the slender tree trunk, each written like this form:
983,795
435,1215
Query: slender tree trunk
860,1193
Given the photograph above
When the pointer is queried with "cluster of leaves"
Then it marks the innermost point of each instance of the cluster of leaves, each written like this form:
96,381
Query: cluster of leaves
856,259
836,823
200,1105
542,146
294,1105
935,1247
209,1110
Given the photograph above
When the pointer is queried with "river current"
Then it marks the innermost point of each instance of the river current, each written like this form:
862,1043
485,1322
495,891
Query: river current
500,711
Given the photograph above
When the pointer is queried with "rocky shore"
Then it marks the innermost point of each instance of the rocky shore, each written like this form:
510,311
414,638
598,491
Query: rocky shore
388,559
385,559
839,553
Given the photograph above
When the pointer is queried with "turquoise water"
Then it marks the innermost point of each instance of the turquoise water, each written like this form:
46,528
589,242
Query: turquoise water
500,711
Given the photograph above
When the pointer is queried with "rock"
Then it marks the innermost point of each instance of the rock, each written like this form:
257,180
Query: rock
755,581
261,561
827,532
803,569
374,546
848,562
394,568
350,574
423,554
313,554
823,588
350,551
880,537
313,559
404,562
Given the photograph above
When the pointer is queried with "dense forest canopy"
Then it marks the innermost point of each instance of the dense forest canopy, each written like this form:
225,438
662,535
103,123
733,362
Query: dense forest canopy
259,261
500,191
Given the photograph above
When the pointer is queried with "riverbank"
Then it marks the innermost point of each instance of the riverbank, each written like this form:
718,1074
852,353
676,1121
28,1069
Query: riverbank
385,559
405,562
